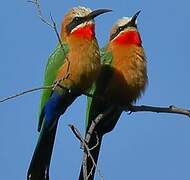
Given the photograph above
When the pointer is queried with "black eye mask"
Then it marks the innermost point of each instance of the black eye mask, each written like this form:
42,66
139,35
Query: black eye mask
131,23
75,22
122,28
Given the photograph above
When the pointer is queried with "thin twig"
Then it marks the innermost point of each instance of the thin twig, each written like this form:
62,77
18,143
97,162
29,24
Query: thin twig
94,167
56,31
86,151
77,133
24,92
39,12
53,86
97,142
87,140
142,108
91,130
52,25
171,109
95,122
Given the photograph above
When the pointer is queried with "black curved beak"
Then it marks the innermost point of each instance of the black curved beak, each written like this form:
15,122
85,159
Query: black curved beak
89,17
97,12
133,20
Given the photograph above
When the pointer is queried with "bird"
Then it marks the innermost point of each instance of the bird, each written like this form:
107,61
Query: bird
72,68
122,80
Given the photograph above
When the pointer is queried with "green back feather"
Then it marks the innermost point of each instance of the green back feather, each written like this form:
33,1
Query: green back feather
98,87
55,61
106,57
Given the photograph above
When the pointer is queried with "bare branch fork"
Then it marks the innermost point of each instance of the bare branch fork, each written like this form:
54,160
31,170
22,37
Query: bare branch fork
51,24
87,140
84,143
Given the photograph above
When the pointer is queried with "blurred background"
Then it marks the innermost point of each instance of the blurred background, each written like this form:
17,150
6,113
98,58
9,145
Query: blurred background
146,146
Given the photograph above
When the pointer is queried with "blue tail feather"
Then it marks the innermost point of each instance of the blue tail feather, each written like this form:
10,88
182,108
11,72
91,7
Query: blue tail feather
54,108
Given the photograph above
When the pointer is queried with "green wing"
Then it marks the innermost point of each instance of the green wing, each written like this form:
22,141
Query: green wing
55,60
99,86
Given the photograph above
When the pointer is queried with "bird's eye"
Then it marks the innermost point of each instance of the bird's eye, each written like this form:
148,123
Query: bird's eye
77,18
120,28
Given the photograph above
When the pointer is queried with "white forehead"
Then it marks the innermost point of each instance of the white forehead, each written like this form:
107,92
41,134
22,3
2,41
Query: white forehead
81,11
123,21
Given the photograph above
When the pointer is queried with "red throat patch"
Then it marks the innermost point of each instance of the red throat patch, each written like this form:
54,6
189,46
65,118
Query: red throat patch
129,38
87,31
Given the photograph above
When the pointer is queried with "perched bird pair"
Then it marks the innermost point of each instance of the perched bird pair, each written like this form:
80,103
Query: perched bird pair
74,66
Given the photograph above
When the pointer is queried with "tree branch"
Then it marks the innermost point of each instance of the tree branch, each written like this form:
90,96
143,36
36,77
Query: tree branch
88,136
23,93
95,122
53,86
39,12
171,109
87,153
142,108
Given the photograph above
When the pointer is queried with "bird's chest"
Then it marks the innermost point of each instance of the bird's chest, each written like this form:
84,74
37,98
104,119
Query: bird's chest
82,65
127,69
129,77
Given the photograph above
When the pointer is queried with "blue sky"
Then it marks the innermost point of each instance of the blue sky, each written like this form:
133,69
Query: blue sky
143,145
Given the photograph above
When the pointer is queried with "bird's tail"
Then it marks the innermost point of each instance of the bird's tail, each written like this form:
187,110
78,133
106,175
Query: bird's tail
55,107
39,166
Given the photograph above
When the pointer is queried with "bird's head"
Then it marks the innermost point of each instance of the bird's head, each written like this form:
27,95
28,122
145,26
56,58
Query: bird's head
79,21
125,31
